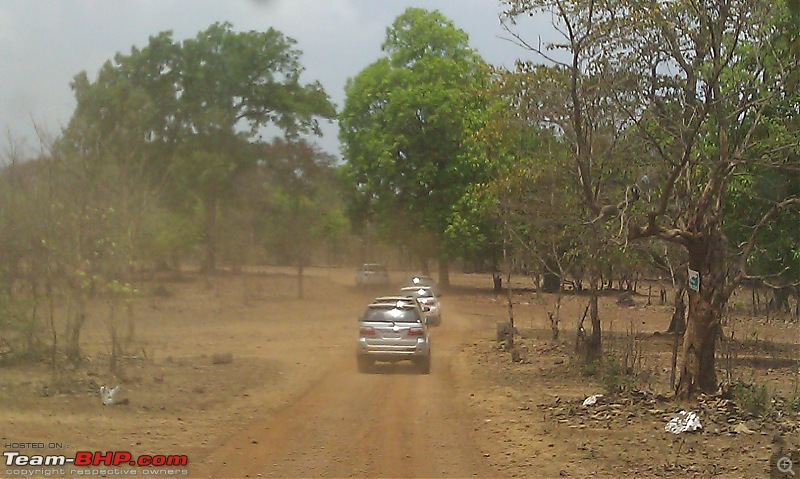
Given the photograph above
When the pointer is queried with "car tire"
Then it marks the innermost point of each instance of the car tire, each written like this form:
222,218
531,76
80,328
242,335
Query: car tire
424,365
364,364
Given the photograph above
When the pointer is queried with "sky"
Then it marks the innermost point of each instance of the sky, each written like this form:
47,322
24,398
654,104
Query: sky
45,43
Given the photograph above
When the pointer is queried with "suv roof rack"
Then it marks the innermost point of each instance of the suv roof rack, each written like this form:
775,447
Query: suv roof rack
397,301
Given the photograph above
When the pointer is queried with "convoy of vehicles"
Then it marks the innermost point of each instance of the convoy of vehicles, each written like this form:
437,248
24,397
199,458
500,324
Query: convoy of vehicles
395,328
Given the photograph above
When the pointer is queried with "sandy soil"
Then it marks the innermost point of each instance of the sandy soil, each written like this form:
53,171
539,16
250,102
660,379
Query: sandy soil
533,408
290,403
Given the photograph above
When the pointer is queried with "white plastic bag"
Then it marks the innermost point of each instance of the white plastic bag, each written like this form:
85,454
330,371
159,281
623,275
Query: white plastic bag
685,421
108,395
591,400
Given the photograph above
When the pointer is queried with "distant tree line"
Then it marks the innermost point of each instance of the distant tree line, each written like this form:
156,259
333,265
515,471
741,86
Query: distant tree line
163,162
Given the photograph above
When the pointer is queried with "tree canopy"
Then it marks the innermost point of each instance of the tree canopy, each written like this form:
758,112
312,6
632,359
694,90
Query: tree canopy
691,90
189,113
403,127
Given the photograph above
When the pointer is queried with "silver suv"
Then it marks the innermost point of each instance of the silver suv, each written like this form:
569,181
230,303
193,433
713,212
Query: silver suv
428,302
372,274
393,328
424,280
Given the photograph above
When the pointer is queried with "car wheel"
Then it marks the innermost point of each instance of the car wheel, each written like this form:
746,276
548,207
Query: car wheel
364,364
424,365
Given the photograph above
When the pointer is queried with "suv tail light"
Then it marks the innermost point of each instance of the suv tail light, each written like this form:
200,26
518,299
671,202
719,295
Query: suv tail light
415,332
366,331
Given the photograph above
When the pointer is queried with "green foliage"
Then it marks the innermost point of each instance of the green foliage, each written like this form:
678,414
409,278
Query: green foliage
304,209
771,173
616,377
332,225
590,369
750,397
19,330
252,76
472,226
14,312
403,127
187,115
167,237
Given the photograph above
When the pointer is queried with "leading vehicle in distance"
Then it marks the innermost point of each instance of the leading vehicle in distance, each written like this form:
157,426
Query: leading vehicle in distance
372,274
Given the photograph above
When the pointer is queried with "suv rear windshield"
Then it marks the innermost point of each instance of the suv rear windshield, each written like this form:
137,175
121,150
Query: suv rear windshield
391,315
422,280
379,268
417,292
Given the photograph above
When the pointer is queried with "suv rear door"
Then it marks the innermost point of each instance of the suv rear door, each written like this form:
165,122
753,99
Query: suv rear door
387,325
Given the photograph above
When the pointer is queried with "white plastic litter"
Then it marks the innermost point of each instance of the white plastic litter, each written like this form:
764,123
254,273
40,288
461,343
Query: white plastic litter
685,421
108,395
591,400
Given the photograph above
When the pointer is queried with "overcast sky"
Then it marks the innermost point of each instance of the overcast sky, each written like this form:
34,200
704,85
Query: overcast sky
44,43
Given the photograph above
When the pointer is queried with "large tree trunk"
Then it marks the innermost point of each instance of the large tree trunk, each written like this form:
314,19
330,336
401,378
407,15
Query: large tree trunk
551,282
678,322
594,344
74,327
444,272
423,265
698,370
300,277
210,262
497,282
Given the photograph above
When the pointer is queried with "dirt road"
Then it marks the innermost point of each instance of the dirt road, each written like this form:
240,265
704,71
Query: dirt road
288,401
391,423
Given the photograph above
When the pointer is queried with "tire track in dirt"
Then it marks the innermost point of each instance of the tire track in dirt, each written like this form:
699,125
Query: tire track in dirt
392,423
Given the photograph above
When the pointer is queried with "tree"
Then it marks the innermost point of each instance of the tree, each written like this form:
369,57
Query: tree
691,81
570,98
772,176
301,215
403,127
193,109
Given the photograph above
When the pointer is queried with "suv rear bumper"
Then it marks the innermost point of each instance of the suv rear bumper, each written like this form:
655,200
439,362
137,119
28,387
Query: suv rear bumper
393,352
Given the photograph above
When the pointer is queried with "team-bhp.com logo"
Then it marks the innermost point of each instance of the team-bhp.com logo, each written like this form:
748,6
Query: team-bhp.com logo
96,458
